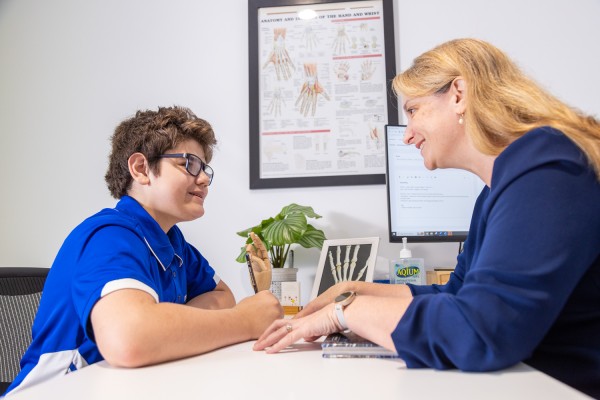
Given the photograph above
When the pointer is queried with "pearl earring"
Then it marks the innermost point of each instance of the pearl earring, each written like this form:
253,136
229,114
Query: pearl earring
460,119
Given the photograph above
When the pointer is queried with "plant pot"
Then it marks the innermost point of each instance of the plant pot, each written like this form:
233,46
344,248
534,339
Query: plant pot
282,275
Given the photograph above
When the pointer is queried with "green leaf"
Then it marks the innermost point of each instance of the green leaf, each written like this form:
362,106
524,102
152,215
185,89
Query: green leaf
287,230
295,208
244,233
312,238
256,229
242,257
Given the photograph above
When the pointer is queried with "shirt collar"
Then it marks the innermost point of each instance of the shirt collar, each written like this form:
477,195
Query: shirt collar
158,242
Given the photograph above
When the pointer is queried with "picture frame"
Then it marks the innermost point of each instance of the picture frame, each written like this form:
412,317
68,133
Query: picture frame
343,260
319,92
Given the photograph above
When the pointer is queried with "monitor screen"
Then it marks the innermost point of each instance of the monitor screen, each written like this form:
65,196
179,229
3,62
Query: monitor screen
423,205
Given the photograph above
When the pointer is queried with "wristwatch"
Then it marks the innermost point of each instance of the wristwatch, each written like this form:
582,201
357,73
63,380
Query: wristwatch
341,302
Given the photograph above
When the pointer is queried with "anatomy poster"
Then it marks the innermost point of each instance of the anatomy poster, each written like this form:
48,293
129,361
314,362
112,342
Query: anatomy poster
323,100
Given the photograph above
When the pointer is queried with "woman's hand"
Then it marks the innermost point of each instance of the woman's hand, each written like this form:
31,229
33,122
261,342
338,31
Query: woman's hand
284,332
359,287
328,297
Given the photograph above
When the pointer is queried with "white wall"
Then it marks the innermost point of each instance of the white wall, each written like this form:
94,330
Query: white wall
70,70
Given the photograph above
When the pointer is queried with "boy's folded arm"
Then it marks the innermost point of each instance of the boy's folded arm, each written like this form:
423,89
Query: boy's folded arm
219,298
132,330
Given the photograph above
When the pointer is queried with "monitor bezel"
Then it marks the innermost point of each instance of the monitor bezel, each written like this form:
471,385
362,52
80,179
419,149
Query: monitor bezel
459,237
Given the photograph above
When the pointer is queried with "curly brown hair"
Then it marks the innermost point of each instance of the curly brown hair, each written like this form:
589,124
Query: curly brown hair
152,133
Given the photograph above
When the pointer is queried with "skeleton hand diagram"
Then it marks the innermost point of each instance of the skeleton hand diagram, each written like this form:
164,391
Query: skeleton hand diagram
345,272
310,90
341,71
364,29
374,42
275,104
279,56
367,69
364,43
310,38
339,44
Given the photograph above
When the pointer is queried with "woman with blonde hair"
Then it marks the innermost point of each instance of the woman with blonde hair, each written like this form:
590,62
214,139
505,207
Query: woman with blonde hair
526,288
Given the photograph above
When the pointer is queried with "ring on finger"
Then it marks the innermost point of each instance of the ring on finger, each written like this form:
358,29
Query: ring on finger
288,328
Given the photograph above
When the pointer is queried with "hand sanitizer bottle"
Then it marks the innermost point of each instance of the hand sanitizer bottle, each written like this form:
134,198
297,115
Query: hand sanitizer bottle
407,269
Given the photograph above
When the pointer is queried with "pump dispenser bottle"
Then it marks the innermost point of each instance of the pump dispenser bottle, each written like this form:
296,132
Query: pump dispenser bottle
407,269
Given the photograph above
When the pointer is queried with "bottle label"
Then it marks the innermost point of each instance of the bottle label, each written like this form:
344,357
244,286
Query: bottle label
406,273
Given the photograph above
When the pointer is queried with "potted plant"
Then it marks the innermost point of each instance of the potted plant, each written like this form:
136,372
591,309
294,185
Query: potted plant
288,227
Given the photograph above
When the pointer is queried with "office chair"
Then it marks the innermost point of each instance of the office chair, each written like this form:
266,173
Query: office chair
20,293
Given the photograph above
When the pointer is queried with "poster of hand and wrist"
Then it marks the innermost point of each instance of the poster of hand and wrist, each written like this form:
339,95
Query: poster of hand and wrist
320,93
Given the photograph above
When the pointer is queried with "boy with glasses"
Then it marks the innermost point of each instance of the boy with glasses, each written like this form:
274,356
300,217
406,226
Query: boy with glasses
126,286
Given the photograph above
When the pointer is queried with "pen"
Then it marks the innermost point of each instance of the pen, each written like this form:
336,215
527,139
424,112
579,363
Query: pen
251,271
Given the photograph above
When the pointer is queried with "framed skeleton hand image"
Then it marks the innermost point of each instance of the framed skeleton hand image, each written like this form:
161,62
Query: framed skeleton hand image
320,75
345,260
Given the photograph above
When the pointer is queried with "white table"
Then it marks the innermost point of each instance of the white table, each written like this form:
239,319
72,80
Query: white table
237,372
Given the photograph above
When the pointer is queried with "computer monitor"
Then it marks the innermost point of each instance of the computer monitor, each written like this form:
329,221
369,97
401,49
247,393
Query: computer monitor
424,205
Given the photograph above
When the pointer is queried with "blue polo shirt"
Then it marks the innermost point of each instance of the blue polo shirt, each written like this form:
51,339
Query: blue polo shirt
527,285
119,248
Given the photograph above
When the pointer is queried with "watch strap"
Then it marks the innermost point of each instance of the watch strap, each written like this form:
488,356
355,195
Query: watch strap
339,313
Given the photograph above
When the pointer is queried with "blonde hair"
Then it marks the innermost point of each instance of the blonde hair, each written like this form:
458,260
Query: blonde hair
502,103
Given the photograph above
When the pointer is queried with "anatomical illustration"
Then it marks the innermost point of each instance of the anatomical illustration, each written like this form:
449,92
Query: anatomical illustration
277,101
345,272
341,41
310,90
279,56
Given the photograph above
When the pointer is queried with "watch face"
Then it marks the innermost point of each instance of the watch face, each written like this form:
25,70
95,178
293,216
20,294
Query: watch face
344,296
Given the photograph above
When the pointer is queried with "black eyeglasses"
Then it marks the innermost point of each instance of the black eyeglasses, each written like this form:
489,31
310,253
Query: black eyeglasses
193,164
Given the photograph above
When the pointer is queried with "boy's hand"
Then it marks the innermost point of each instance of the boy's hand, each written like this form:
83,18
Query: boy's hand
260,311
261,265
